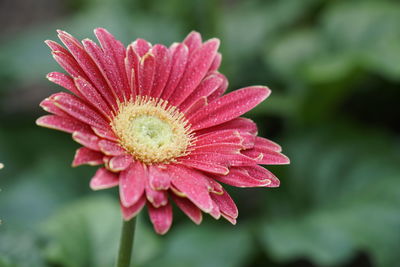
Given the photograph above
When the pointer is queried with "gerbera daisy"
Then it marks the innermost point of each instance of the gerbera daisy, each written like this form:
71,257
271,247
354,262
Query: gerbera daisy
157,121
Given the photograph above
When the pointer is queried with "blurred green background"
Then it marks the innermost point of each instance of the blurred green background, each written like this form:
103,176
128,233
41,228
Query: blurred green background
334,70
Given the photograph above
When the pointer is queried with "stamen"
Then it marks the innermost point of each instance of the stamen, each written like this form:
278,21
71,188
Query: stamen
152,130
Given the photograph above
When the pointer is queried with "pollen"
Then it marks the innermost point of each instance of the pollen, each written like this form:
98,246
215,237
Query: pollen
152,131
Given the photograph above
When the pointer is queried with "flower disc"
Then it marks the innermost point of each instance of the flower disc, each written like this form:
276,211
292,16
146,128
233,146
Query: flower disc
152,131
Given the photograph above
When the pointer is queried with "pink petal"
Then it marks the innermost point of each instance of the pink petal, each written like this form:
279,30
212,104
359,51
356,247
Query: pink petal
216,63
48,105
215,187
65,124
131,68
161,218
193,184
103,179
266,156
215,212
162,69
106,67
132,181
157,198
89,67
68,63
191,210
120,163
267,144
111,148
146,73
86,139
223,136
158,179
220,90
87,156
242,125
178,66
141,46
196,69
219,147
79,110
195,107
129,212
223,159
206,166
205,88
229,107
239,177
115,50
248,140
92,96
261,173
65,81
226,205
54,46
105,133
193,41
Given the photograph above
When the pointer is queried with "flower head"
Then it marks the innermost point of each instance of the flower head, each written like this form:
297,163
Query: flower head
157,121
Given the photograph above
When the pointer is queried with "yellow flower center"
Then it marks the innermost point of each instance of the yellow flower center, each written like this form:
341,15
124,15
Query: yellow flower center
152,131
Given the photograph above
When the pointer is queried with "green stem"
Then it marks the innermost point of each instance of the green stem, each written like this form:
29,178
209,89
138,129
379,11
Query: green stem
126,243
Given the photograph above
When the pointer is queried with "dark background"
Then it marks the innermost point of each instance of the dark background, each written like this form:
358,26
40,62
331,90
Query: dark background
334,71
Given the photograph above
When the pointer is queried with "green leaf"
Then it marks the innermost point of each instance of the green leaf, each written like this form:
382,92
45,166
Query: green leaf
205,246
347,199
86,233
19,247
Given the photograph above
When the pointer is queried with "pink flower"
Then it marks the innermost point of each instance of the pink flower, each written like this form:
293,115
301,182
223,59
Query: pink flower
157,120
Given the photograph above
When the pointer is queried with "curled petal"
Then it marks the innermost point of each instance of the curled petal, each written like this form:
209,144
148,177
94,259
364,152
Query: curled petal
266,156
132,182
261,173
161,218
240,177
157,198
87,156
226,205
215,212
193,184
205,88
223,136
191,210
141,46
105,133
129,212
242,125
110,148
86,139
206,166
159,179
103,179
120,163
